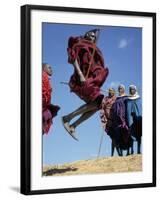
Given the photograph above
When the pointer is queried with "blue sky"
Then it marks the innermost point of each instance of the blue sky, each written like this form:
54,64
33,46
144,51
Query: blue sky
122,52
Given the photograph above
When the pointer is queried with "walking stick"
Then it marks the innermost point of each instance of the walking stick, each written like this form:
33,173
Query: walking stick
100,145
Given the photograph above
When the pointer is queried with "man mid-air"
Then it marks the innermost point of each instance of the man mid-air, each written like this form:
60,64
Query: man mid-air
87,79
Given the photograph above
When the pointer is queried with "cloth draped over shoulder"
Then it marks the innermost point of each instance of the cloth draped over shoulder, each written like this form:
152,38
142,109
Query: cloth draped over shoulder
106,110
48,110
119,112
119,121
134,116
119,129
132,106
46,90
82,50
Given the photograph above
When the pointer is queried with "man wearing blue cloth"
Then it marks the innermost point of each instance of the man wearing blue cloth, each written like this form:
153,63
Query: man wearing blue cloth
134,115
133,105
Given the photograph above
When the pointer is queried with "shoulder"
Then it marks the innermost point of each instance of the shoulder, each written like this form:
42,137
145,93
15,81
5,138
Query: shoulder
45,77
135,97
121,98
105,99
72,40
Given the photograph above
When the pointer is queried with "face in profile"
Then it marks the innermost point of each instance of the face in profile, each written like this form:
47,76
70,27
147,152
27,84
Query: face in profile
48,70
111,94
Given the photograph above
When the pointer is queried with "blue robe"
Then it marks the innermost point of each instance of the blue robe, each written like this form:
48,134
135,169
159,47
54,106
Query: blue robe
133,106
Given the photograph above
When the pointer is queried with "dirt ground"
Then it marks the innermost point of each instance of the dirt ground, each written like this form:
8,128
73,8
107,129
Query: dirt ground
130,163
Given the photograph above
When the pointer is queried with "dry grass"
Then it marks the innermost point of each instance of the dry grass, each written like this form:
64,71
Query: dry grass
93,166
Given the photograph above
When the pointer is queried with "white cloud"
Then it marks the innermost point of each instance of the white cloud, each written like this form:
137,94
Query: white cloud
123,43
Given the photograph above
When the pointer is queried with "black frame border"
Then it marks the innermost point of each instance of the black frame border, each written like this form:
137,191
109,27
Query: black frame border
25,153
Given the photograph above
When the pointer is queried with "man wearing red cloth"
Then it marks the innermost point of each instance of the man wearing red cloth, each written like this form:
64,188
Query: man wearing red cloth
89,75
106,110
48,110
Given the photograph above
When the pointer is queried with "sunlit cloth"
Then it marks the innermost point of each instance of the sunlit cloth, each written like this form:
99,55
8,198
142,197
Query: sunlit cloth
133,105
48,110
46,90
119,128
47,117
105,111
82,49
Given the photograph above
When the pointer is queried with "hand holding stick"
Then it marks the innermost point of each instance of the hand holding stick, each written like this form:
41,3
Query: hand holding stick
79,72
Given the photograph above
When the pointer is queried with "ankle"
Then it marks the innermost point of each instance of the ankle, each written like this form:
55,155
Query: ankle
66,118
73,126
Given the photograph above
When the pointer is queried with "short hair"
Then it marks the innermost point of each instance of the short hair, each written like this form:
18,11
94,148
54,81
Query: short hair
44,65
132,87
121,86
112,90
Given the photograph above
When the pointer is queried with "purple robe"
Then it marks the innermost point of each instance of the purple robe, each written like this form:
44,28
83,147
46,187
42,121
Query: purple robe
119,128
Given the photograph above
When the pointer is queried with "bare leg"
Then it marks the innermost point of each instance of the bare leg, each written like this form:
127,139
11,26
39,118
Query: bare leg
84,117
132,149
128,151
119,151
86,111
113,146
139,146
82,109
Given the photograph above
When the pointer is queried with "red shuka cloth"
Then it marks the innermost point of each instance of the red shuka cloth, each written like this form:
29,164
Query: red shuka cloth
82,50
48,110
105,112
46,90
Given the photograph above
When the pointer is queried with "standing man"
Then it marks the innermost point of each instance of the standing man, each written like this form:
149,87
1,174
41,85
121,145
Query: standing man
119,108
106,110
133,105
89,75
48,110
134,115
121,90
119,131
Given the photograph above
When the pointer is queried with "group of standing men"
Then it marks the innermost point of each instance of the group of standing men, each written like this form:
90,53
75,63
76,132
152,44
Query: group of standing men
121,115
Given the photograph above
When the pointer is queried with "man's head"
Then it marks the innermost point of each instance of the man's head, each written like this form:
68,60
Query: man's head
132,90
47,68
91,35
121,90
111,92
